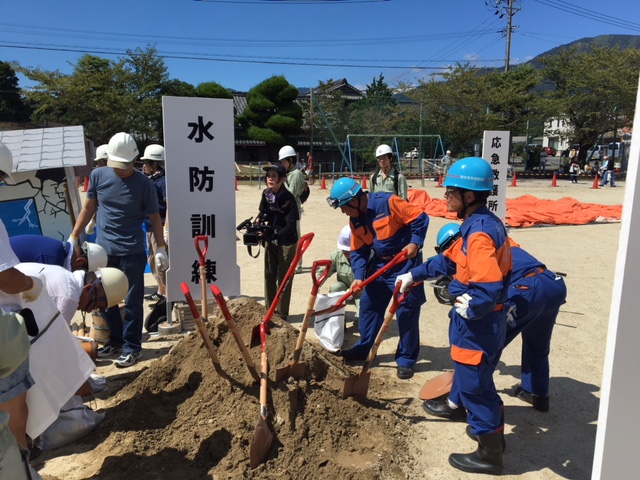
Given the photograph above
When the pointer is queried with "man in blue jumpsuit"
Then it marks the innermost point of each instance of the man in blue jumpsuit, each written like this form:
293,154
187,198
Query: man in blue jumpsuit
535,297
480,263
385,224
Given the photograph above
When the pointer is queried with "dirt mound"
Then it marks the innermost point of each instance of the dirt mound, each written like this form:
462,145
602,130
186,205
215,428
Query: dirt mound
180,419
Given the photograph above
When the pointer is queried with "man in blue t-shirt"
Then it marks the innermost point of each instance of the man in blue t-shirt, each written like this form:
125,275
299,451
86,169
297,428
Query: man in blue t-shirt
124,197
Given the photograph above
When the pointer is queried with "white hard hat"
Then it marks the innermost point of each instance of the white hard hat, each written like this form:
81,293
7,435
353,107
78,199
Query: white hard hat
96,256
6,163
101,152
115,284
383,150
154,153
122,151
344,240
286,152
448,152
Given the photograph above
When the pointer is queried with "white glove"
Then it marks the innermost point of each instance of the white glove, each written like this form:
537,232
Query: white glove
462,305
165,234
34,292
90,229
73,241
405,280
162,261
511,316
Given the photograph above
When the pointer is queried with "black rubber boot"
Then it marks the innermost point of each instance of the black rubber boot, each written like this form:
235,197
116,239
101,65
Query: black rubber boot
474,437
486,459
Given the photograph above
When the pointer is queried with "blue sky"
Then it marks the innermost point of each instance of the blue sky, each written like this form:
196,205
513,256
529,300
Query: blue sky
239,43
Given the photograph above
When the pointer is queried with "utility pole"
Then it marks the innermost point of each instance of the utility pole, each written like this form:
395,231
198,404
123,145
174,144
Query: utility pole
502,8
311,124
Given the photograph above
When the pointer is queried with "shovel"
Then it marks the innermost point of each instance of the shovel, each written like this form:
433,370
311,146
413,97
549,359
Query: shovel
303,244
202,258
343,300
437,386
262,436
203,333
234,330
359,384
295,369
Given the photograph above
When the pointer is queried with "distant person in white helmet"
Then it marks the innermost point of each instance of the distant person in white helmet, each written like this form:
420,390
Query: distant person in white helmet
153,167
295,182
126,197
447,161
47,250
387,178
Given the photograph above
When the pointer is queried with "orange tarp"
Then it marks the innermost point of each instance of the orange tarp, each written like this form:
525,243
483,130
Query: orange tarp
528,210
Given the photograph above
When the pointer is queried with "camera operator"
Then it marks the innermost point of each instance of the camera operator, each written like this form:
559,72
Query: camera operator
279,210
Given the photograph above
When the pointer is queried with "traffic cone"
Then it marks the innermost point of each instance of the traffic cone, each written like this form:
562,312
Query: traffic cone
514,181
596,182
554,182
364,182
439,181
323,185
86,184
237,183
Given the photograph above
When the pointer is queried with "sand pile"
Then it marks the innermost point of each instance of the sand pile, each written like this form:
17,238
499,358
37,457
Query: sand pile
179,419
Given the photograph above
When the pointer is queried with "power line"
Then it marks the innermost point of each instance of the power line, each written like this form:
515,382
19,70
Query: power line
580,11
217,58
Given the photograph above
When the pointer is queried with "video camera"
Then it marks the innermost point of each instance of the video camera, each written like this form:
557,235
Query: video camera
251,238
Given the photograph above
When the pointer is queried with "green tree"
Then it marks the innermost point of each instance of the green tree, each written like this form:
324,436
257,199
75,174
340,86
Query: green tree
593,90
330,113
212,90
12,105
105,96
272,114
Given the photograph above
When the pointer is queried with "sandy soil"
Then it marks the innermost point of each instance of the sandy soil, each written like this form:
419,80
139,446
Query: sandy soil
173,416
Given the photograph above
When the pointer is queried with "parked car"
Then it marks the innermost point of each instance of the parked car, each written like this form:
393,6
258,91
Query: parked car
550,151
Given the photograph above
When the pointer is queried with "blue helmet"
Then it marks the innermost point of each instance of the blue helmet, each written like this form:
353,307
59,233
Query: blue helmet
343,191
471,173
448,234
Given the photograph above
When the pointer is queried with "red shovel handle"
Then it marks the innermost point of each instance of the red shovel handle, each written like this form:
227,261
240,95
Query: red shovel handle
222,303
401,257
187,295
202,251
319,280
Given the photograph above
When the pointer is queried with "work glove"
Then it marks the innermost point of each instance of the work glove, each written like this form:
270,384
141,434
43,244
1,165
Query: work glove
90,229
462,305
162,261
34,292
165,234
511,315
405,280
72,240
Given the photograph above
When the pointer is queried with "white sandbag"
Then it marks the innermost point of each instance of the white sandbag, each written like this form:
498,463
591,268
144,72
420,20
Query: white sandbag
58,364
75,421
329,328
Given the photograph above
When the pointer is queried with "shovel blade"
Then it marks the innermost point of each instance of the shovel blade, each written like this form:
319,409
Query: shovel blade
437,386
260,443
297,371
357,385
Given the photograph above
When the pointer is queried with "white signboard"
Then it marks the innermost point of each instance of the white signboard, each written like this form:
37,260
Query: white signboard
495,150
616,448
199,166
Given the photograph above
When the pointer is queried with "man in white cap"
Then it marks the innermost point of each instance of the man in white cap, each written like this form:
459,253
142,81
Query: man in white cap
387,178
153,167
341,265
447,160
295,182
125,197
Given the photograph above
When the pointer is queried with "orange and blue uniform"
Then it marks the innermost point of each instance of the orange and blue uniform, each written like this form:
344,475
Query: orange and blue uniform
537,294
386,228
480,262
